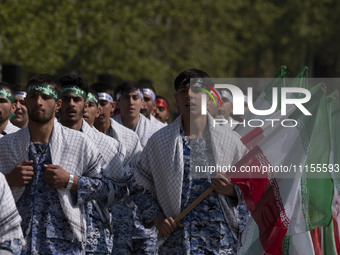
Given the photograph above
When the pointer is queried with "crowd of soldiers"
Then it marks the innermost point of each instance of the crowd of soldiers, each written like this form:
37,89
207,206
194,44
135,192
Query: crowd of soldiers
98,170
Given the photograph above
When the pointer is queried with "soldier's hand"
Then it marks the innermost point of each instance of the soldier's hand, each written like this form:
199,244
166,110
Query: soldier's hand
21,175
222,186
56,176
165,226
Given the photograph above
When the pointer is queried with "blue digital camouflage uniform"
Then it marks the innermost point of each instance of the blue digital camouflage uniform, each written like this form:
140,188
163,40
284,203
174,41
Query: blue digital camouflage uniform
99,236
130,237
44,223
99,233
205,228
14,246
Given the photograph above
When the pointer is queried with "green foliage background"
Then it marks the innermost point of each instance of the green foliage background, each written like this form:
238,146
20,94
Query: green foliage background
157,39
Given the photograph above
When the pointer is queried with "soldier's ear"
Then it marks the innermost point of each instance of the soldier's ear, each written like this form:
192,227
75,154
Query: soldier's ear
58,105
114,104
13,108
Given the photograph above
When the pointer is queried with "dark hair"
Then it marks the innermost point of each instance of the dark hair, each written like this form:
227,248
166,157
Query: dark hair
184,77
126,87
93,92
46,78
102,87
6,85
146,84
74,79
19,87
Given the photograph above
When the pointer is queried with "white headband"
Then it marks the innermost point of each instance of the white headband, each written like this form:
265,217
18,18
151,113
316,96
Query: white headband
150,93
105,96
226,94
137,90
20,94
140,93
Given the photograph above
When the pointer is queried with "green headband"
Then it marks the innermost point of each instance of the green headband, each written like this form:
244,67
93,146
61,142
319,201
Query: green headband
6,94
74,89
92,98
43,88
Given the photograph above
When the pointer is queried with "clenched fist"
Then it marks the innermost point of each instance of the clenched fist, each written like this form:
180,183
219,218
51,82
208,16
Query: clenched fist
56,176
21,175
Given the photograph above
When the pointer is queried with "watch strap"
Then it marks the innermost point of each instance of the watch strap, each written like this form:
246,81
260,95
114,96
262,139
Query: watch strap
70,182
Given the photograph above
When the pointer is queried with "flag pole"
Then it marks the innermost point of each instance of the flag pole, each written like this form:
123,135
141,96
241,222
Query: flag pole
191,206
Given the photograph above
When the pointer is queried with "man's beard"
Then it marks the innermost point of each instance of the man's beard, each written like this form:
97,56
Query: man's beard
41,119
3,118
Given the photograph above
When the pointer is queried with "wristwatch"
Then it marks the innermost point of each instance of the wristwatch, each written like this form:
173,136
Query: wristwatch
70,182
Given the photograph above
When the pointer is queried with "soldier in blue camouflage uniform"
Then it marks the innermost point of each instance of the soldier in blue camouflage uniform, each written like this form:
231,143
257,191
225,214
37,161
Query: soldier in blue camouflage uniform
52,171
165,183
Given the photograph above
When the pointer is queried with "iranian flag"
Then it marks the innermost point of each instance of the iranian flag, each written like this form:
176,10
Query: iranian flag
316,193
286,203
331,233
325,239
265,100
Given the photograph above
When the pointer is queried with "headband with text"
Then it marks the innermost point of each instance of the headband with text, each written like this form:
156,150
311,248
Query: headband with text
20,94
92,98
150,93
73,89
6,94
105,96
137,90
43,88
